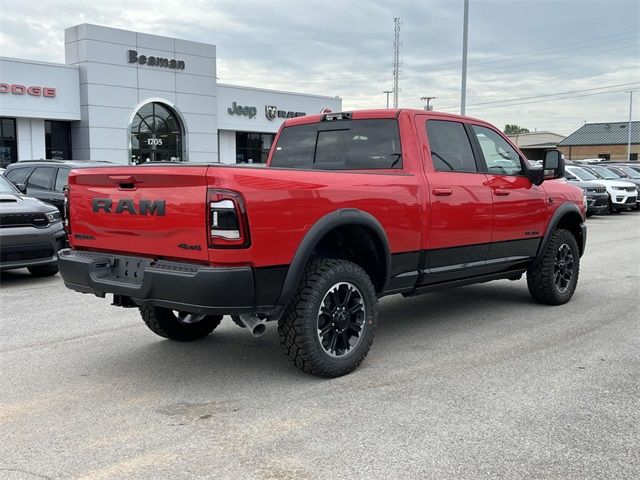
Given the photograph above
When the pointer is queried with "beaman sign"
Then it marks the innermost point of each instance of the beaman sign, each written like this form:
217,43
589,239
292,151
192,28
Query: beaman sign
155,61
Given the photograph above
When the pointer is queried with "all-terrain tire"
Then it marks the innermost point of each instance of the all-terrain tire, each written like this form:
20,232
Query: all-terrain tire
554,278
166,323
299,327
43,270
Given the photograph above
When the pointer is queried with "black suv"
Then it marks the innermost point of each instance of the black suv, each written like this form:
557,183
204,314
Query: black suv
45,179
31,232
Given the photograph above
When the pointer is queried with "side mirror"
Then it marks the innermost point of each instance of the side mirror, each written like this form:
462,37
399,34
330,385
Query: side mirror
22,187
554,162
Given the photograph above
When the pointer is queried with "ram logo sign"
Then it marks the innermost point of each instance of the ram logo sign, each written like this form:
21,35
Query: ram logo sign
144,207
270,111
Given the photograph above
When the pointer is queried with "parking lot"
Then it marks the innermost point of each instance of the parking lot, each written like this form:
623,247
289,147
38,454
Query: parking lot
477,382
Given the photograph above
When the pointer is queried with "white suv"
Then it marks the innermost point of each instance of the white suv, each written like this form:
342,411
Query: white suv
622,195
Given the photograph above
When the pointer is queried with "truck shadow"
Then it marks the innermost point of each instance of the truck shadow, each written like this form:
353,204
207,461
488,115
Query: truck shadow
230,354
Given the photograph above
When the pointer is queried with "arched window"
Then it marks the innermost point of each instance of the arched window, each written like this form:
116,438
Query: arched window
156,135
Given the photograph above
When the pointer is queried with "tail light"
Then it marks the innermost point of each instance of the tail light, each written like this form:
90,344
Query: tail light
227,223
67,220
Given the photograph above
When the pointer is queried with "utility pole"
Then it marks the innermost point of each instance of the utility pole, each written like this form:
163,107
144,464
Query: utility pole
387,92
629,132
428,107
396,59
465,41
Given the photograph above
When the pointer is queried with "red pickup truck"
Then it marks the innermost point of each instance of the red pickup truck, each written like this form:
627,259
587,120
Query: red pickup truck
351,207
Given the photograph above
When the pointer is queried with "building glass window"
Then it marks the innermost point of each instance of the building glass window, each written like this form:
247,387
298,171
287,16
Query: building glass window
253,147
8,142
156,135
57,139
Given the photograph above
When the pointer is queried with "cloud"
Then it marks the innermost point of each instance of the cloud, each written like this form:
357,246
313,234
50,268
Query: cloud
516,48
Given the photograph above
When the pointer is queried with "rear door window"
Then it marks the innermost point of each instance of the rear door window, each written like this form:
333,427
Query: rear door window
41,178
450,147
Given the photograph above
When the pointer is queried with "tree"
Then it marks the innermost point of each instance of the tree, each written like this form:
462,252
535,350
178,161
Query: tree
513,129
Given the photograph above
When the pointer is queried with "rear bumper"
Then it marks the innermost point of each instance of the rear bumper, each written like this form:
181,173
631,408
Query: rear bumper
143,281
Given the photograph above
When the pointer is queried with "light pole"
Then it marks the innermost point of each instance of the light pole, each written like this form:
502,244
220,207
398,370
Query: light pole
629,132
387,92
465,40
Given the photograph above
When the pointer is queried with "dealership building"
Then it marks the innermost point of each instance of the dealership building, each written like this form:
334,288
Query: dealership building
130,97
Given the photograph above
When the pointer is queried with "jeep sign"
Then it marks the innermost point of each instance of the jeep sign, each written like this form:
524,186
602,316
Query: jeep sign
236,109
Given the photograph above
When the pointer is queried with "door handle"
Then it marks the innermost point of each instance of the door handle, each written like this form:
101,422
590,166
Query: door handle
501,193
442,192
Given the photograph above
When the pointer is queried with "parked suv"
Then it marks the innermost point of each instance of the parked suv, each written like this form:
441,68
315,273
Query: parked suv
595,194
628,175
622,195
31,232
46,179
605,173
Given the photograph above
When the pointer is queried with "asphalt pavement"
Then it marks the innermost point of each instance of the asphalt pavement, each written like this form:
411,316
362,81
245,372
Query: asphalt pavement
473,383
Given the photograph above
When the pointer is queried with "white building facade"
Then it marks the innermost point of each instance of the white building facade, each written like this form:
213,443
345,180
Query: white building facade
129,97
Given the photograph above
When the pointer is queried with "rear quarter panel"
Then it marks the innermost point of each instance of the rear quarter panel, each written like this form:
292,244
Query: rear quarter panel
283,204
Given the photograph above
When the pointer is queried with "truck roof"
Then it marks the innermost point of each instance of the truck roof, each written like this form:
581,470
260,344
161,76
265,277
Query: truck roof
375,113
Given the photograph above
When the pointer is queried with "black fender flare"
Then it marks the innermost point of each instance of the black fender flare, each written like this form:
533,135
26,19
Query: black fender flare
559,214
335,219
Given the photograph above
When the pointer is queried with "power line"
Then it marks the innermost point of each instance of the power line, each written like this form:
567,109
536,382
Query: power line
546,95
323,76
546,100
581,42
482,60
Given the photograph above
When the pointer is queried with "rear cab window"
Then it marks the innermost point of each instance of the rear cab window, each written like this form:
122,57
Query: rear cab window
371,144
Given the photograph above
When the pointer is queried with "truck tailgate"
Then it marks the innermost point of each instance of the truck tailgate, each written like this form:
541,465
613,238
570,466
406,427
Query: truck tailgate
159,211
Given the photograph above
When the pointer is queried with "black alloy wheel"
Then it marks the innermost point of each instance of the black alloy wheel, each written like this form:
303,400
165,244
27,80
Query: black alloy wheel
341,319
563,268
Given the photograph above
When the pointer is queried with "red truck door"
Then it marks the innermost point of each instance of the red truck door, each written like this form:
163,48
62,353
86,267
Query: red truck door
459,197
519,206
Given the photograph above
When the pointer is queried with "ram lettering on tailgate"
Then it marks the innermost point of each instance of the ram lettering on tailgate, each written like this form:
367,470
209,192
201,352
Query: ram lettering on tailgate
145,207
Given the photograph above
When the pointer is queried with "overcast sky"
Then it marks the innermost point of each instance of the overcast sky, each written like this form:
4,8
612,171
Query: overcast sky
518,49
